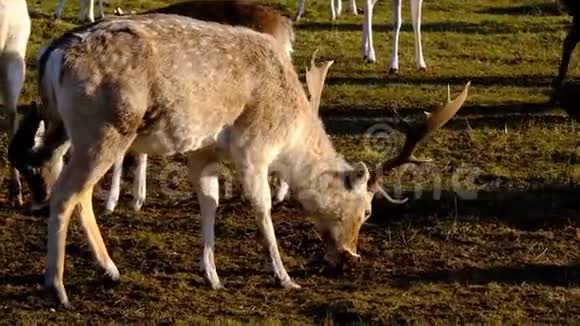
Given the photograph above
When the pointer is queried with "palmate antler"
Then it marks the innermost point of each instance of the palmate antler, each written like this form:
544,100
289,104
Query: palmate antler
315,77
435,120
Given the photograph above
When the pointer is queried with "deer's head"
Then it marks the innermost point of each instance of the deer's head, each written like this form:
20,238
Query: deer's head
343,200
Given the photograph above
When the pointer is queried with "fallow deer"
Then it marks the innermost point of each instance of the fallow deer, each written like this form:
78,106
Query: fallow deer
164,84
86,10
14,34
251,14
572,7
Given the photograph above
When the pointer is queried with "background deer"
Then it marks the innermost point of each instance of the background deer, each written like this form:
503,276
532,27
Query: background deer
335,9
253,15
86,10
572,7
222,93
14,34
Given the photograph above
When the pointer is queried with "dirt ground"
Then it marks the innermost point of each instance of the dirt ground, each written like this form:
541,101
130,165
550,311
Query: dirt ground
508,254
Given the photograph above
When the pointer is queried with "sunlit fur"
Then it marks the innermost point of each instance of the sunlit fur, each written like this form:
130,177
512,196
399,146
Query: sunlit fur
164,84
14,34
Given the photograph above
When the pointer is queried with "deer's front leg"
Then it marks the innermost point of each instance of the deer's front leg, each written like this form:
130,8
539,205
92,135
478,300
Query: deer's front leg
13,75
204,174
15,190
257,190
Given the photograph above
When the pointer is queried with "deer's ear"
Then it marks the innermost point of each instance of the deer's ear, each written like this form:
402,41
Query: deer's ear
357,178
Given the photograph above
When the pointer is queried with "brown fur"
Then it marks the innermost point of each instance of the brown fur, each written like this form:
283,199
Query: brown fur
252,14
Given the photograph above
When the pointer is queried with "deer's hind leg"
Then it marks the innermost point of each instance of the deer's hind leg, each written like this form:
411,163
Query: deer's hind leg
90,158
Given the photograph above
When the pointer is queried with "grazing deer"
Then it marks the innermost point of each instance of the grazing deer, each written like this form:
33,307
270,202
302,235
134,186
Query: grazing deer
164,84
367,36
86,11
250,14
572,7
335,9
14,34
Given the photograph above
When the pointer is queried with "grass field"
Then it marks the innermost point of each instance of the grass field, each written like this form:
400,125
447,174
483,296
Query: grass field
491,233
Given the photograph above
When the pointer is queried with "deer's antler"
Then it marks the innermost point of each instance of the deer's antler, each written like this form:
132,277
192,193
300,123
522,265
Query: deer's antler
435,120
315,77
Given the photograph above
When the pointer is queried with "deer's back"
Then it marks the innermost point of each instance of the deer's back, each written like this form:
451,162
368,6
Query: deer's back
182,81
250,14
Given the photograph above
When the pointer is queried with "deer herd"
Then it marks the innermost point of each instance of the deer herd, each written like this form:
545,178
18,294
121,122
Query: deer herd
213,80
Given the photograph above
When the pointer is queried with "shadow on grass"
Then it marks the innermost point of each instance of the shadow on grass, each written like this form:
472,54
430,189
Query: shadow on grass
511,81
19,280
542,207
358,122
484,28
549,275
539,9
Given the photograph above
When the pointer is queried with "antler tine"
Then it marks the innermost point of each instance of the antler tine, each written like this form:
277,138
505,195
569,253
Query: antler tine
313,59
402,123
389,198
435,120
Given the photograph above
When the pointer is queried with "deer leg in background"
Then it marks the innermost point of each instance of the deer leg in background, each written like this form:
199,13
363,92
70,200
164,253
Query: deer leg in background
569,44
101,10
115,187
416,8
397,22
13,75
367,35
58,9
299,10
139,182
353,9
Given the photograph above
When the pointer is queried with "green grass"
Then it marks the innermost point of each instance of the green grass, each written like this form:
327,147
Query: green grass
490,235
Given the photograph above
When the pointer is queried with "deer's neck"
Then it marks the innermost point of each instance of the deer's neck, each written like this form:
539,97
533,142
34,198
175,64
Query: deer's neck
312,160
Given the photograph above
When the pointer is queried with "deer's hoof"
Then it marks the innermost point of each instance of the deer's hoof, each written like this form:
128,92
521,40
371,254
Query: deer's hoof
57,296
368,59
290,284
16,201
